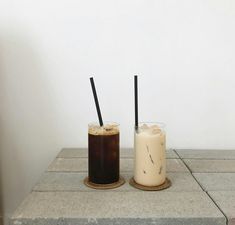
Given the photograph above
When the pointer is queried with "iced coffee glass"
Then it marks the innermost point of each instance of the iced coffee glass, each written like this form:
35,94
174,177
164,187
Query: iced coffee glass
103,153
150,154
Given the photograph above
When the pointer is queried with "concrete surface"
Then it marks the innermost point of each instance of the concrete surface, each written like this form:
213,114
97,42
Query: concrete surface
204,197
54,181
210,165
206,154
118,208
126,164
124,153
216,181
226,202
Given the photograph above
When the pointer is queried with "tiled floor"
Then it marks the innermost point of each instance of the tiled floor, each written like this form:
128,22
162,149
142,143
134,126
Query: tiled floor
126,165
73,181
202,192
215,172
124,153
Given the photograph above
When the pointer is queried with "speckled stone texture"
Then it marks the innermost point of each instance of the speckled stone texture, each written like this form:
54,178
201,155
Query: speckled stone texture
215,172
202,193
124,153
226,202
126,165
216,181
206,154
55,181
118,208
210,165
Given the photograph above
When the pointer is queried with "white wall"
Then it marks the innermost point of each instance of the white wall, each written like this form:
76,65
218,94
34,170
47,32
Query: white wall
182,50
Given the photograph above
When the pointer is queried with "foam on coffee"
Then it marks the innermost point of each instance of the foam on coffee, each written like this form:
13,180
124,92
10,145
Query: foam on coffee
108,129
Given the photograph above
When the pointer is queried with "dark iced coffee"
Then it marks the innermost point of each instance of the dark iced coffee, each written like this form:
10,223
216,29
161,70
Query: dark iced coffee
103,147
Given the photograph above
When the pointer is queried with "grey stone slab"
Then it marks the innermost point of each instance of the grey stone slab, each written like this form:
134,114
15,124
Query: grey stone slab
83,153
159,208
226,202
206,154
68,165
54,181
126,164
124,153
176,165
170,154
216,181
73,153
210,165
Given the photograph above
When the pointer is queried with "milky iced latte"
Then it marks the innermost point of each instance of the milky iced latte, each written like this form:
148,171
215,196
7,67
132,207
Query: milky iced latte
150,158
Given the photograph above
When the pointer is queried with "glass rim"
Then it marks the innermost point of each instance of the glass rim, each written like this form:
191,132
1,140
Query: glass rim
160,124
105,123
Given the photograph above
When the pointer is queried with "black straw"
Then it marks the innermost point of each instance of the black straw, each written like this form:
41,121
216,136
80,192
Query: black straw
136,101
96,101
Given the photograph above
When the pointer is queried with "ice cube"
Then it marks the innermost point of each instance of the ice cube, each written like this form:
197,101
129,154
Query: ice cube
156,131
144,126
155,127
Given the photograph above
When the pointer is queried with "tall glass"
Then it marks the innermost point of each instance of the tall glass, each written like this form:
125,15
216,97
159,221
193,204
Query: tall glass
150,154
103,148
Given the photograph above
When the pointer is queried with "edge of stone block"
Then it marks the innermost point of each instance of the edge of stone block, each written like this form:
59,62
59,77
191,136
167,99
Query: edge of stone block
116,221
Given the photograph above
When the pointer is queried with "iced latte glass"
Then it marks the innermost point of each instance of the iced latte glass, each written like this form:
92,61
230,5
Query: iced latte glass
150,154
103,153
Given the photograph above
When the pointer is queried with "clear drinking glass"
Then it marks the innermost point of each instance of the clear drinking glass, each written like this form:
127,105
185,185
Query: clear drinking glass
103,153
150,154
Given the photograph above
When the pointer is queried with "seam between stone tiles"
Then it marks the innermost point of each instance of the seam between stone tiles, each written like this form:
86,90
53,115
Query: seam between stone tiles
215,172
184,162
85,157
83,171
111,191
121,157
203,188
208,159
217,206
70,157
60,171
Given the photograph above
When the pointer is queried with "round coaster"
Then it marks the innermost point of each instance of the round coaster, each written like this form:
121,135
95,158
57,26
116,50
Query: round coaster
119,183
165,185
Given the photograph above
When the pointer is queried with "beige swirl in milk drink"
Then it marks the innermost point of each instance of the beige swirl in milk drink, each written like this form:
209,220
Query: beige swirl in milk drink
150,158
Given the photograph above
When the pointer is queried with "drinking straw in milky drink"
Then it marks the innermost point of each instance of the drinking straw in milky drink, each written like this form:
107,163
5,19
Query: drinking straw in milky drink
136,101
149,145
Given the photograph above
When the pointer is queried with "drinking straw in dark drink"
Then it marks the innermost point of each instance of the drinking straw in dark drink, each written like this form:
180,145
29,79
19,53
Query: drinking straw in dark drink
96,101
136,100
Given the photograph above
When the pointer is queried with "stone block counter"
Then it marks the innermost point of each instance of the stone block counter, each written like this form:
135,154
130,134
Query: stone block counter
202,193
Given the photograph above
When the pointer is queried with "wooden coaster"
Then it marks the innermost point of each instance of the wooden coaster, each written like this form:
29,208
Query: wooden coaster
165,185
119,183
